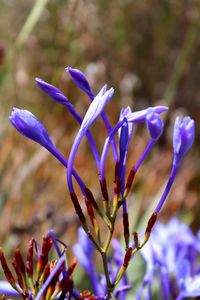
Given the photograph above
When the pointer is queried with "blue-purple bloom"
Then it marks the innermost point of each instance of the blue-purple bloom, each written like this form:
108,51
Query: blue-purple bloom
80,80
28,125
169,249
56,95
154,124
183,138
94,110
172,258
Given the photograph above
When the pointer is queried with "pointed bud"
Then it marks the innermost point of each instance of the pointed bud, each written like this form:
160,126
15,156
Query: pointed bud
28,125
140,116
20,262
127,257
54,93
124,137
80,80
184,131
6,270
96,108
29,259
150,224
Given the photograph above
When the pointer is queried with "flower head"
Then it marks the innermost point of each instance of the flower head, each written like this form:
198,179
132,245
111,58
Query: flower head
54,93
96,107
140,116
80,80
28,125
184,131
154,124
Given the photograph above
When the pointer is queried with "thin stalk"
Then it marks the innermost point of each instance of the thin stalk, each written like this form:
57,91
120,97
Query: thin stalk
105,266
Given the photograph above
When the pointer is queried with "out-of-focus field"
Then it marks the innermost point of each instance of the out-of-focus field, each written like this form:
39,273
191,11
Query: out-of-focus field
147,50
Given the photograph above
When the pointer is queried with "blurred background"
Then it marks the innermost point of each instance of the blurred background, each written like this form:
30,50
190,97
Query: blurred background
147,50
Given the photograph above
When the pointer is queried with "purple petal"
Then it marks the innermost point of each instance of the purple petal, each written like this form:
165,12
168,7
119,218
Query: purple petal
154,124
53,92
7,290
140,116
28,125
183,137
80,80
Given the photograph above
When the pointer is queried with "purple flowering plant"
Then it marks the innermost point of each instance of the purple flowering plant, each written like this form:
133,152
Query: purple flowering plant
42,278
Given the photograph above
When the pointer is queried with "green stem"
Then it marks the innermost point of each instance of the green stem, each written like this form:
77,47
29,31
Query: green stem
105,266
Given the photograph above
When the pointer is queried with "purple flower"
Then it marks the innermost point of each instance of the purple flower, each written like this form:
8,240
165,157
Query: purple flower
184,131
80,80
96,107
56,95
28,125
154,124
7,289
94,110
171,257
182,141
131,117
140,116
84,251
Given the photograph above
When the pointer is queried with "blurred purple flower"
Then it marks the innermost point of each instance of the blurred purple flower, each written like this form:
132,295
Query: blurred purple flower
171,256
84,251
7,290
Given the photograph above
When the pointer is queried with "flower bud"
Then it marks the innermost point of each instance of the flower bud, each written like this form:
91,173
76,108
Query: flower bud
183,137
28,125
154,124
80,80
54,93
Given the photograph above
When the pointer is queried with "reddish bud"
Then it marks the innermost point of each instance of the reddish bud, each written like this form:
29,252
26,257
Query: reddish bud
19,261
104,189
130,179
136,240
90,211
90,198
126,224
6,270
78,208
29,259
72,267
127,257
43,259
151,223
18,273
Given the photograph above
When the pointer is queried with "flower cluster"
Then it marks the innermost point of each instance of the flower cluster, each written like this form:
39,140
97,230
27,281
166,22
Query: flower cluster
38,278
107,208
172,257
